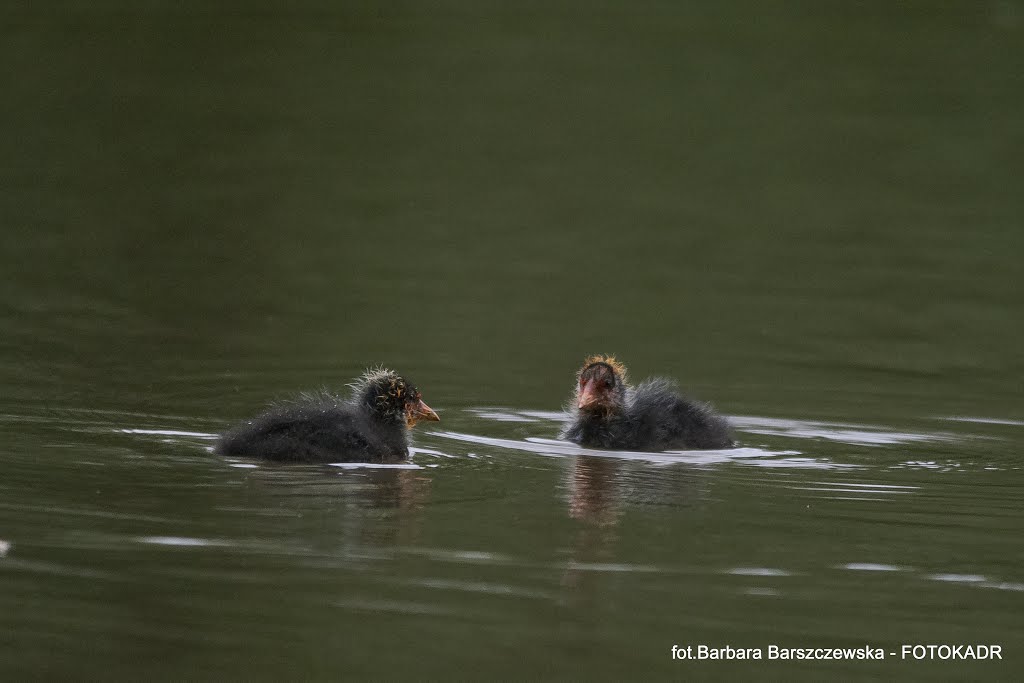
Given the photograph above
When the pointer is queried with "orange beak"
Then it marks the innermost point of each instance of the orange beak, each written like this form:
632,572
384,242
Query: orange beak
588,395
419,411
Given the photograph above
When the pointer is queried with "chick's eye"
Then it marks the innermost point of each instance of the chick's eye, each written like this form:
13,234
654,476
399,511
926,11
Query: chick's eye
608,384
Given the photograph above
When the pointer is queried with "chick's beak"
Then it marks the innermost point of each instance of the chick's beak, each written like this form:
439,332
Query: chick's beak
588,395
420,411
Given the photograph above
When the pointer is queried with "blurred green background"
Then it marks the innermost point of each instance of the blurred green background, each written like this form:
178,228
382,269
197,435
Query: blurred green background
764,200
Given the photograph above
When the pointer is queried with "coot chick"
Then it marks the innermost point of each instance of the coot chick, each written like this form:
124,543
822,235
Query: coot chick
370,426
609,413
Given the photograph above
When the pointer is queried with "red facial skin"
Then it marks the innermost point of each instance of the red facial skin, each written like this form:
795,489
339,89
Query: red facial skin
596,391
416,411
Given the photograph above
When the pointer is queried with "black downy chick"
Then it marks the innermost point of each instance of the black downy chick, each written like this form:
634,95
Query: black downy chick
369,426
608,413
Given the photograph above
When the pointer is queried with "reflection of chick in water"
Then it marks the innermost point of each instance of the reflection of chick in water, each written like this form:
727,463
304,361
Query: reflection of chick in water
594,500
401,495
593,491
346,512
599,490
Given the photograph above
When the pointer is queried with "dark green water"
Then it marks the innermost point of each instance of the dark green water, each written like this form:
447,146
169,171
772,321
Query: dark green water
811,214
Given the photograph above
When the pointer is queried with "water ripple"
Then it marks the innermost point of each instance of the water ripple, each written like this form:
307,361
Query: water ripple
870,567
757,571
756,457
984,420
859,435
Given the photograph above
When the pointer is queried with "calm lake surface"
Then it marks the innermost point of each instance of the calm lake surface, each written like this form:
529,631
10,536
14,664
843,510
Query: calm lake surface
811,215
